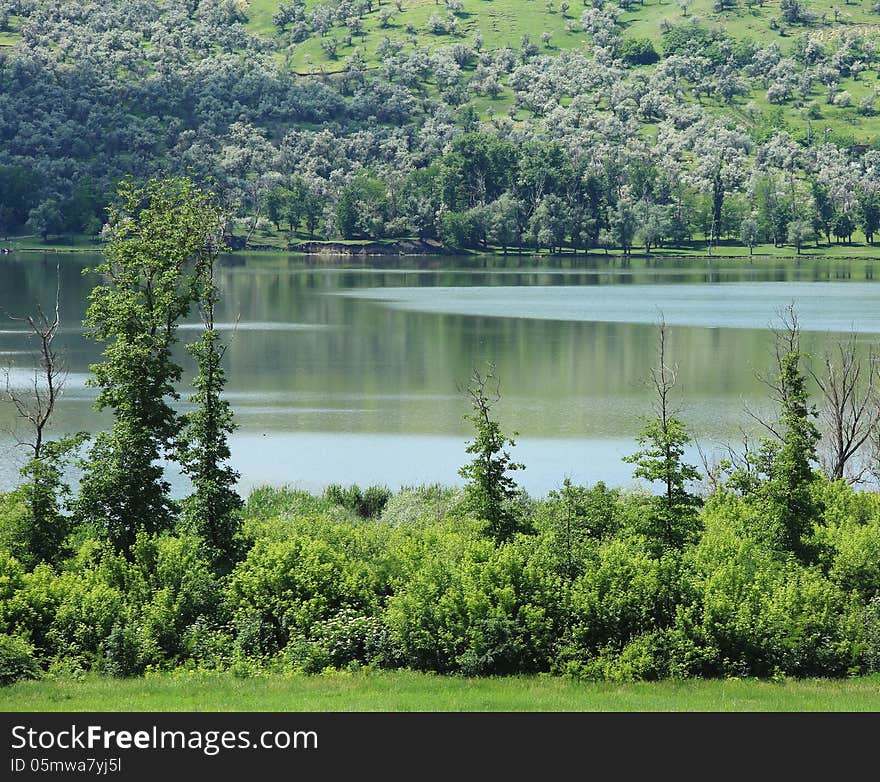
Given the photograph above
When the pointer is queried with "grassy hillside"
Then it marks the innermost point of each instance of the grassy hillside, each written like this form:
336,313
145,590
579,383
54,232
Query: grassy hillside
503,23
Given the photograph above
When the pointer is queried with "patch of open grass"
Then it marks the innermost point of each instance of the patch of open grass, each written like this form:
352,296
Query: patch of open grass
500,22
410,691
67,243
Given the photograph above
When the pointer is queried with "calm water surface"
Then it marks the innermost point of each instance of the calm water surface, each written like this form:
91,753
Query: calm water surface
350,371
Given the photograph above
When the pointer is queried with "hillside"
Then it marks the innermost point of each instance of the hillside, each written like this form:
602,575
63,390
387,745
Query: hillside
479,123
503,23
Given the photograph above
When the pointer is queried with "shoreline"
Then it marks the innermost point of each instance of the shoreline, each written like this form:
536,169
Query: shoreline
414,248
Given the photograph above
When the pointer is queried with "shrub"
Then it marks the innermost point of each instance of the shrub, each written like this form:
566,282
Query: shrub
491,611
625,592
17,660
286,586
345,639
762,610
420,506
638,51
368,504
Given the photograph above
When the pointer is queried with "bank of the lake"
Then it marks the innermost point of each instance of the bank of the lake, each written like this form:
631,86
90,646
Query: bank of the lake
333,250
411,691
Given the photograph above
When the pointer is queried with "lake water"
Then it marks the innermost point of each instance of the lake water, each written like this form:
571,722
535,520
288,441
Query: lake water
350,371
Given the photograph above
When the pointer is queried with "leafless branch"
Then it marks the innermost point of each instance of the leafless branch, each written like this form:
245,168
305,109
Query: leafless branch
36,405
850,408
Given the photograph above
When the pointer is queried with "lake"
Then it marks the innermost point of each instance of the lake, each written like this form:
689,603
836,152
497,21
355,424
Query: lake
351,370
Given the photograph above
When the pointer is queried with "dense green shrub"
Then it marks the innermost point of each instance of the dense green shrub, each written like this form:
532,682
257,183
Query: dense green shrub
849,538
638,51
368,504
16,660
624,592
762,610
285,586
587,593
490,611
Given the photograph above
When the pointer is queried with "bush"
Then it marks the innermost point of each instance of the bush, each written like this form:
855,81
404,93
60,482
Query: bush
690,39
367,504
762,610
346,639
420,506
491,611
17,660
625,592
638,51
285,587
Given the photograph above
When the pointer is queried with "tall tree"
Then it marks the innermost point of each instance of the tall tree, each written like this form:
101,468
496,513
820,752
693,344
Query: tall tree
661,457
159,233
489,487
787,456
212,509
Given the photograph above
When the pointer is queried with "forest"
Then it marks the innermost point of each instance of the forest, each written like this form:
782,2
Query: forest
763,563
627,126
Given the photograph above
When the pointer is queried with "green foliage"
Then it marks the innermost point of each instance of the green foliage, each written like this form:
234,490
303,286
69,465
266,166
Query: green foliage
789,487
158,233
684,39
368,504
490,490
661,459
638,51
36,524
489,610
624,592
573,519
762,611
285,587
212,510
362,208
19,189
16,660
420,506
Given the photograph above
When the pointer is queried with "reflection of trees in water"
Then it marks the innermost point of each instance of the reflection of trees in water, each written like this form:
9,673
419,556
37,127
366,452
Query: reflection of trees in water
380,369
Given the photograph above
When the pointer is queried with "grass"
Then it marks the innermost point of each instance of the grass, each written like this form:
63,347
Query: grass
503,23
70,243
410,691
272,241
500,22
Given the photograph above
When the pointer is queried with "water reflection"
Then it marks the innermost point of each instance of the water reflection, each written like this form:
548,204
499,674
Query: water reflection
351,371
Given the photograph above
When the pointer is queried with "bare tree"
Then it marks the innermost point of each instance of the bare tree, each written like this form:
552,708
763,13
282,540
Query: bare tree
786,342
36,404
850,410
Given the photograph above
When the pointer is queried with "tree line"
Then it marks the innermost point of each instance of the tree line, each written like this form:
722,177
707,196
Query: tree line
769,570
702,135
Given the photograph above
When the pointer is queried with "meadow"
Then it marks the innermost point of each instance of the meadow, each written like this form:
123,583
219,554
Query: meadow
402,691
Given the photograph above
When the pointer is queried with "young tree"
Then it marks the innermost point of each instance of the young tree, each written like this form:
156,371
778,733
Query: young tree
203,451
159,232
661,457
40,532
489,487
788,454
750,232
799,232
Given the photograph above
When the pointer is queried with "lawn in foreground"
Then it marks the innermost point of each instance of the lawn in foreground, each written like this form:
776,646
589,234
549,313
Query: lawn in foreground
409,691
